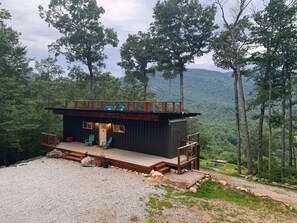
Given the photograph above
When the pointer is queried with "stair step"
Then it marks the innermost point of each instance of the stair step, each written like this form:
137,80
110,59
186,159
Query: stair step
159,166
76,154
164,170
73,157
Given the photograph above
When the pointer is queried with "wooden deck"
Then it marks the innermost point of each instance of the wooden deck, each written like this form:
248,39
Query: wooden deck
121,158
187,155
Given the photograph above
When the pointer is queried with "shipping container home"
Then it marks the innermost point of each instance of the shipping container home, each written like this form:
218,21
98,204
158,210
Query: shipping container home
144,127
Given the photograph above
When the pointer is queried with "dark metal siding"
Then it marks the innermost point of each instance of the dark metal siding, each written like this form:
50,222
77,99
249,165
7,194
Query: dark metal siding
156,138
178,134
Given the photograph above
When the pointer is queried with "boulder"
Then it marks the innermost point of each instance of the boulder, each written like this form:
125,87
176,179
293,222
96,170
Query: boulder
243,189
193,189
156,173
88,162
54,154
222,182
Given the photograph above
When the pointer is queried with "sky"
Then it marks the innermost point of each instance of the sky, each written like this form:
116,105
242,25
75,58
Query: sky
124,16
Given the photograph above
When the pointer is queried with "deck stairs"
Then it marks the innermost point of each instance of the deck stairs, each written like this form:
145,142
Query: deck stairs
75,156
162,168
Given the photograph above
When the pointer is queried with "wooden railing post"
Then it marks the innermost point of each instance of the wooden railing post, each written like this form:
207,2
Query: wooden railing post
178,162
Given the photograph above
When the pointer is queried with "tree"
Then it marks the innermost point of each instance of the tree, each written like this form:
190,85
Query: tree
13,91
182,30
274,31
230,50
47,71
84,37
137,58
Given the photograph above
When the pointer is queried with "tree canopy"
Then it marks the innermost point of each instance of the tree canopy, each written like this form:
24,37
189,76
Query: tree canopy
182,30
84,37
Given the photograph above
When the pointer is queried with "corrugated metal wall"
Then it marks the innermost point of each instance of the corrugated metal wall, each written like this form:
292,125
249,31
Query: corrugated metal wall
156,138
177,135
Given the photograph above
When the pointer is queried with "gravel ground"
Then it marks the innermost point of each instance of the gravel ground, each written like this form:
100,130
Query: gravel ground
56,190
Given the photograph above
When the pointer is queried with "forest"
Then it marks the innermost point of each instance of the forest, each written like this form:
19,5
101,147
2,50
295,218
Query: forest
248,113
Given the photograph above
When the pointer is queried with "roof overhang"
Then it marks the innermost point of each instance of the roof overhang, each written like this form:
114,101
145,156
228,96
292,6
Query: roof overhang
130,115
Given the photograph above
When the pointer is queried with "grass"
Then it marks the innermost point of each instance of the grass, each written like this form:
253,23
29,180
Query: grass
226,168
214,190
216,200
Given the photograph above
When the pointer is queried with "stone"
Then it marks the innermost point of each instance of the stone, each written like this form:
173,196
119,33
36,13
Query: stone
254,178
151,173
156,173
242,189
88,162
193,189
222,182
54,154
145,174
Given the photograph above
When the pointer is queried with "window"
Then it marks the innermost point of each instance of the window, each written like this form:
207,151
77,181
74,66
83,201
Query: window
87,125
118,128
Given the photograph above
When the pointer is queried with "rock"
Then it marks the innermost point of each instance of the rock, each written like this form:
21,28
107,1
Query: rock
259,195
242,189
254,178
249,177
151,173
156,173
173,170
88,162
54,154
222,182
145,174
193,189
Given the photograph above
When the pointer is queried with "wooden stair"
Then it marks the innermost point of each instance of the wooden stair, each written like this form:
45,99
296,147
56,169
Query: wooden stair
75,156
162,168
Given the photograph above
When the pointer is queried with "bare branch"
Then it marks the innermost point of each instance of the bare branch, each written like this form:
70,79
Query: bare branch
219,3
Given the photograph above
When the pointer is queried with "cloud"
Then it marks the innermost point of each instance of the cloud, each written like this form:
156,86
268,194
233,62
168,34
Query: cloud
125,17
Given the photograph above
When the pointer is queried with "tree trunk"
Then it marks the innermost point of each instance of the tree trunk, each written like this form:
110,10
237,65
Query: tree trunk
145,84
290,122
90,67
144,91
283,135
269,125
181,79
238,140
260,140
283,127
245,124
294,158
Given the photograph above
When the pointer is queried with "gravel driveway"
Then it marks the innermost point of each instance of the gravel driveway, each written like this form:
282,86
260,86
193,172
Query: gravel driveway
57,190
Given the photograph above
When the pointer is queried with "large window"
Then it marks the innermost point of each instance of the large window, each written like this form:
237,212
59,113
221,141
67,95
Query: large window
87,125
118,128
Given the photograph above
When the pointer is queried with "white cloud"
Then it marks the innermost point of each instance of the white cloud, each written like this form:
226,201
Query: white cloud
125,17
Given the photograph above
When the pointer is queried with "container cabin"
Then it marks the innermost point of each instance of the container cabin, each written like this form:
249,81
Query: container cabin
153,128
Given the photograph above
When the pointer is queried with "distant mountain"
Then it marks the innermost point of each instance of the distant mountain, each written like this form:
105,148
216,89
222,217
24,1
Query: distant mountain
208,92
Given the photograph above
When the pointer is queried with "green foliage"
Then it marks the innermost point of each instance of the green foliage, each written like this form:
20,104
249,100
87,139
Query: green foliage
137,57
182,30
211,94
84,37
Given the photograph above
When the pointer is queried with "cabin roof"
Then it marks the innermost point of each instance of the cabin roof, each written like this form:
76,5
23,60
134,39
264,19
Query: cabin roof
130,115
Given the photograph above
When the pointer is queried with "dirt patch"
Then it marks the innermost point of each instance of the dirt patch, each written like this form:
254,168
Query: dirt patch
183,181
288,197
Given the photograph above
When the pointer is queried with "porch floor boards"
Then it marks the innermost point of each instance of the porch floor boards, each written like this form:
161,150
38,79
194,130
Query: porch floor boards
126,156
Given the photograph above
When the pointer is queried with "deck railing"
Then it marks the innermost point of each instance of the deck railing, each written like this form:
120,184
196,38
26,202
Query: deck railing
49,139
146,106
195,137
189,151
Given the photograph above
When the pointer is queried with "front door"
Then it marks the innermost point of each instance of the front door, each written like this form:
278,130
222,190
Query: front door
102,133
